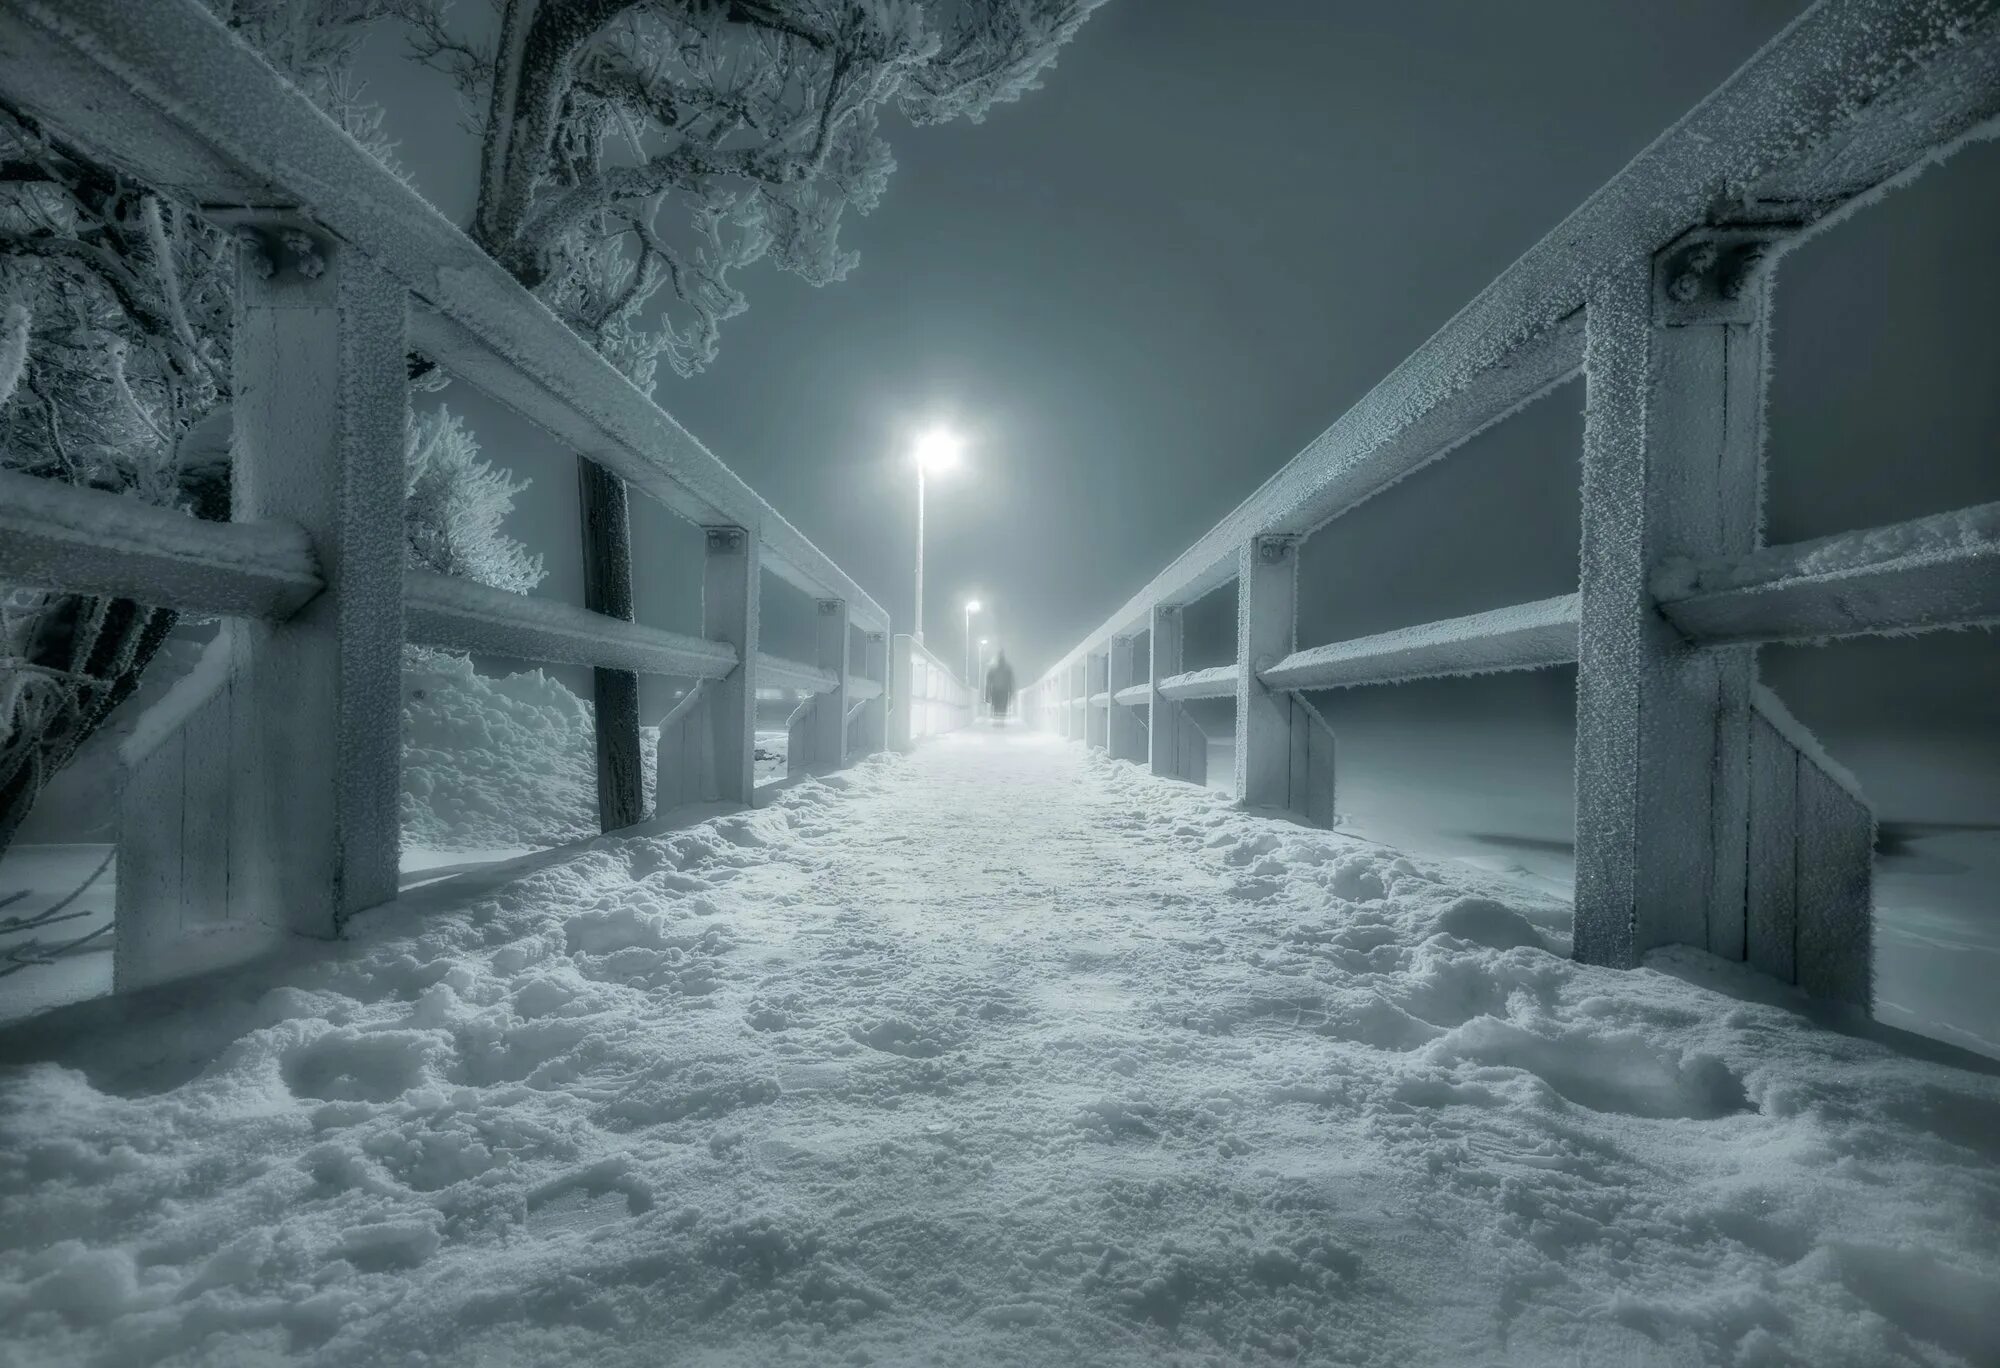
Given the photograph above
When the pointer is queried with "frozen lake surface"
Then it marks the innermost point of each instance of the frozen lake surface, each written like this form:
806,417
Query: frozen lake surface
998,1053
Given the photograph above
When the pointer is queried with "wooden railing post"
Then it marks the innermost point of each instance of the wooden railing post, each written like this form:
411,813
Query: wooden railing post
1675,356
729,612
1163,715
1266,611
1095,718
321,412
1125,735
873,734
831,647
607,588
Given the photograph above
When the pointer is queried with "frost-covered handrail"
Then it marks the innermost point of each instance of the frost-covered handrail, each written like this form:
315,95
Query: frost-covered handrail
462,615
779,673
166,92
1942,570
1218,681
87,541
1528,636
1852,94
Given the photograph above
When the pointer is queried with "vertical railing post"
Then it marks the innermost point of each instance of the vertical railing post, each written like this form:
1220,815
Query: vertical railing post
1266,617
321,411
1125,735
1674,360
1079,701
1162,713
607,589
730,582
831,646
1095,719
873,735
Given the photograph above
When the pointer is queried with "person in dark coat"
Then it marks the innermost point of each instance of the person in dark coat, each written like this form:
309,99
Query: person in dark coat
1000,687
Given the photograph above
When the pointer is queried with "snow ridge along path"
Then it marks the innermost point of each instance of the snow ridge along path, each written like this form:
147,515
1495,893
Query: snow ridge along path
998,1053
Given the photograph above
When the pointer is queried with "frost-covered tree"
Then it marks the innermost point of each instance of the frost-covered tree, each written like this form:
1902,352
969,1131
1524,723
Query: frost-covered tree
456,504
636,153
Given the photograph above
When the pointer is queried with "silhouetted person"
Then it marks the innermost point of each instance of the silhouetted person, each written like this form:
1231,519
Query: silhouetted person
1000,687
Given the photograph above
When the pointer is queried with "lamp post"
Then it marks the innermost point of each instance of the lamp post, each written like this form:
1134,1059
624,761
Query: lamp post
936,452
971,607
978,688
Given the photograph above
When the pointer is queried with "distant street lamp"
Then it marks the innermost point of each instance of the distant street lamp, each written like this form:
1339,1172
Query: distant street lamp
936,452
971,607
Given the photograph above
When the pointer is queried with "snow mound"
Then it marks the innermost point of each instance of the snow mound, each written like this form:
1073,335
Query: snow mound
998,1053
494,762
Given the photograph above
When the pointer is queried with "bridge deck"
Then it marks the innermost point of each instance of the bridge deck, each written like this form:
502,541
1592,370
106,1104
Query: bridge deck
995,1053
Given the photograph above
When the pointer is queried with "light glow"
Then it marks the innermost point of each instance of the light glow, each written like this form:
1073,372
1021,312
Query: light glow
938,450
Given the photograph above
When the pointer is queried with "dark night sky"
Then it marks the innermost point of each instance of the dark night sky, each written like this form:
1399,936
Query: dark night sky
1144,288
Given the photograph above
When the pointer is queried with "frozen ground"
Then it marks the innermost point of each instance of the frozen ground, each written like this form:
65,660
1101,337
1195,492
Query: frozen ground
1001,1053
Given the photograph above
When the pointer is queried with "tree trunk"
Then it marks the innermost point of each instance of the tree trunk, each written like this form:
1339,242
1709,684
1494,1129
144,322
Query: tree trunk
607,589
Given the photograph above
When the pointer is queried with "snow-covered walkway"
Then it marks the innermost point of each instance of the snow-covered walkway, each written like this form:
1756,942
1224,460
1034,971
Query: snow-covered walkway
998,1053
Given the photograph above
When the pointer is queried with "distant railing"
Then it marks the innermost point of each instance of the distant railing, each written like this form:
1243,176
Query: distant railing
1705,816
929,699
262,798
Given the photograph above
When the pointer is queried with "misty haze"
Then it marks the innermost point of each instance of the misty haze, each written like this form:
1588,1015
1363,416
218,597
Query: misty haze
1100,682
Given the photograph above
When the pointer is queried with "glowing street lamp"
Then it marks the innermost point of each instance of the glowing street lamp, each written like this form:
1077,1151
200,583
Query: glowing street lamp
937,452
971,607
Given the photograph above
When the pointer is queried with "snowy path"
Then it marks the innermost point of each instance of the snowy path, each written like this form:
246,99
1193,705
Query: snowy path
1000,1053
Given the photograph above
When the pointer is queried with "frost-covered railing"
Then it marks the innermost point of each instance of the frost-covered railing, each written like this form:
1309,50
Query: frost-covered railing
1704,816
262,793
929,698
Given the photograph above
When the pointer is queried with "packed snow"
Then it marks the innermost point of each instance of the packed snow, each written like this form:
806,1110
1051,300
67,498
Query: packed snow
998,1053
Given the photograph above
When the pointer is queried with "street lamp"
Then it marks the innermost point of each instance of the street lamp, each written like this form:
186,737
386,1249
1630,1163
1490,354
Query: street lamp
936,452
971,607
978,689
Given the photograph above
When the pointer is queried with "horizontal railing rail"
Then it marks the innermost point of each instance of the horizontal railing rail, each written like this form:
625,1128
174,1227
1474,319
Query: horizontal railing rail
461,615
1941,571
1704,816
1528,636
90,541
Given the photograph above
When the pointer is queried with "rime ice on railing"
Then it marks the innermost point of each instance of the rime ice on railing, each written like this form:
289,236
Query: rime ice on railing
1704,817
264,800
